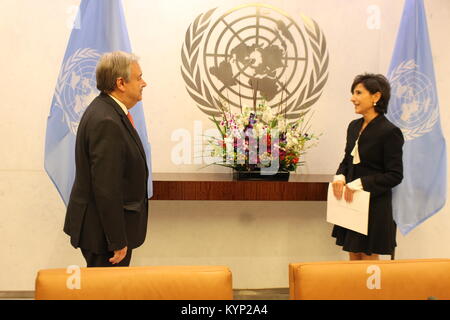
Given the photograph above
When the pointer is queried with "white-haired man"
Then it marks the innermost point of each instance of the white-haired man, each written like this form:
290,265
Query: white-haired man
108,208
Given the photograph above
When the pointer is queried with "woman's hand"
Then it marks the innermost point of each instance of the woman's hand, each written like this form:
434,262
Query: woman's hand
338,189
348,195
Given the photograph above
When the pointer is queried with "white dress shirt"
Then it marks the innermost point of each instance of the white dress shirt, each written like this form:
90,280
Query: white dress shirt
355,184
124,108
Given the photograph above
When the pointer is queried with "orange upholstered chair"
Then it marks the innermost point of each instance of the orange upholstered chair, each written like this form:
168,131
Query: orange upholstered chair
419,279
136,283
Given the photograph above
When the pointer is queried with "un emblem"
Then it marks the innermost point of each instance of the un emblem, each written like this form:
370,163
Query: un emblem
76,86
254,52
413,106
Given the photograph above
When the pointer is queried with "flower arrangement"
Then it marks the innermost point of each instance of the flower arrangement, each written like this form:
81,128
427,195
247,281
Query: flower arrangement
257,138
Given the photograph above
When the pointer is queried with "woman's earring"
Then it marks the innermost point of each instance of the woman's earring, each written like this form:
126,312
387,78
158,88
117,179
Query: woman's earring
374,104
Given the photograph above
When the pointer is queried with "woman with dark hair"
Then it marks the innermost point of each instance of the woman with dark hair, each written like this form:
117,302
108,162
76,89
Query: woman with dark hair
373,163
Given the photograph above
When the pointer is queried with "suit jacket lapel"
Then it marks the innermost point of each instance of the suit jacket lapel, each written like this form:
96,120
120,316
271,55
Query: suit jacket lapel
134,134
127,124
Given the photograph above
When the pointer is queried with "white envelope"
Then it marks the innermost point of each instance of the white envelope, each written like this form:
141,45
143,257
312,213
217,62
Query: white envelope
354,215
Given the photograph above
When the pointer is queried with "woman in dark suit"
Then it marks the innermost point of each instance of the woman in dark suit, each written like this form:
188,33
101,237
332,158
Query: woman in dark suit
373,163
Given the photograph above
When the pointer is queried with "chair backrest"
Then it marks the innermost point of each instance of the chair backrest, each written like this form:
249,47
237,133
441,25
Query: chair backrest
135,283
419,279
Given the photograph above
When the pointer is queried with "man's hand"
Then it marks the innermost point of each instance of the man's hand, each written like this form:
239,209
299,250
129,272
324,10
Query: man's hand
118,255
338,188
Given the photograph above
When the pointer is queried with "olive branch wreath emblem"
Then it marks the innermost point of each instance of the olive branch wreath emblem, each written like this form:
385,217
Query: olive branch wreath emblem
201,94
426,126
68,65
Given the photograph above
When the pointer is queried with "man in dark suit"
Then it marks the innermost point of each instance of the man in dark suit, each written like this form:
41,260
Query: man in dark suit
108,207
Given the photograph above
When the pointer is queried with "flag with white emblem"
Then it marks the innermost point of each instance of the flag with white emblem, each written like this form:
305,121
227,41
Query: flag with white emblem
100,27
414,108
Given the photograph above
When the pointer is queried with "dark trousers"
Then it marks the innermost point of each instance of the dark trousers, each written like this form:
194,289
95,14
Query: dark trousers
102,260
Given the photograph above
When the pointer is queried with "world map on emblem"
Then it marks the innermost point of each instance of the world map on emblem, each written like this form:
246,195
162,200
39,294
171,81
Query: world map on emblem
254,50
413,99
77,86
254,53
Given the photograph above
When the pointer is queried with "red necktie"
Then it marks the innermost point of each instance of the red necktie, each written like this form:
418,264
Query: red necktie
130,118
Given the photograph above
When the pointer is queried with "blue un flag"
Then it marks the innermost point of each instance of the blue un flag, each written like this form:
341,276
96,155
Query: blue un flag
100,28
414,108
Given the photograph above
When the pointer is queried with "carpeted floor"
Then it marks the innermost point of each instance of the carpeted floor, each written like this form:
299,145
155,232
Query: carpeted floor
239,294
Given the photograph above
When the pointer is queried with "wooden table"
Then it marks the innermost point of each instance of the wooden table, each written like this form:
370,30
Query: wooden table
220,186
